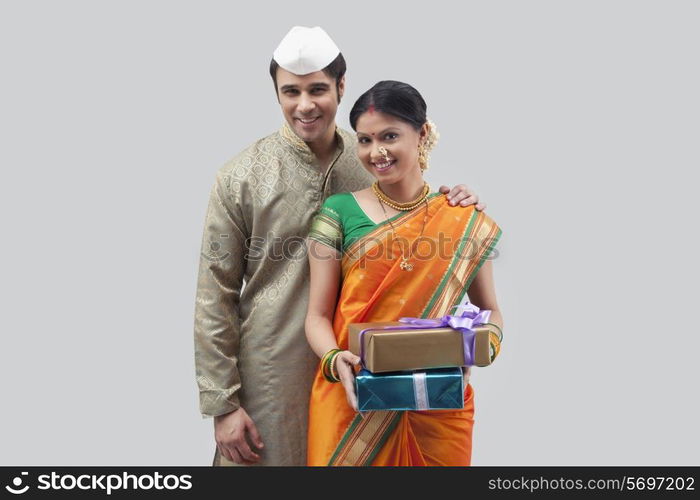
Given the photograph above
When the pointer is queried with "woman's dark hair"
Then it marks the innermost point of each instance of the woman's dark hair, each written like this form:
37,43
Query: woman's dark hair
394,98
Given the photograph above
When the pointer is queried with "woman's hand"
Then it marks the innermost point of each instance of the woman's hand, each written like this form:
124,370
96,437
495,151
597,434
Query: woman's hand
344,364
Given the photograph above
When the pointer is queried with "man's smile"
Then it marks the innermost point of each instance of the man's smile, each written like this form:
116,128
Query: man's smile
308,121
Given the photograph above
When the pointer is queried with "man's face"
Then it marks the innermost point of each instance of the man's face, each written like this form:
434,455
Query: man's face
309,103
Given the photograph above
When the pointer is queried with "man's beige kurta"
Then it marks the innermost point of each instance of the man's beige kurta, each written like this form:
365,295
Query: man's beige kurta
252,291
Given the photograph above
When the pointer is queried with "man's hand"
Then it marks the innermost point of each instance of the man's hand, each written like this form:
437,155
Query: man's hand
230,434
463,195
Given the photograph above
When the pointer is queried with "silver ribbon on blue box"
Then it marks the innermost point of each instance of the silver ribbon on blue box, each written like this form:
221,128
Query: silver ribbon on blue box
435,389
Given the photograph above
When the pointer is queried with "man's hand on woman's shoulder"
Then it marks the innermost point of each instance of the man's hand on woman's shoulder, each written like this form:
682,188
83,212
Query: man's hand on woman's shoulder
463,195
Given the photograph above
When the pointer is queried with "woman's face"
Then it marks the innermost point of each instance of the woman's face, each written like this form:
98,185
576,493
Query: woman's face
377,130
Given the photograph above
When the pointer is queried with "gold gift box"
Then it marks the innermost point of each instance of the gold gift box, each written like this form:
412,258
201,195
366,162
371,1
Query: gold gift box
417,348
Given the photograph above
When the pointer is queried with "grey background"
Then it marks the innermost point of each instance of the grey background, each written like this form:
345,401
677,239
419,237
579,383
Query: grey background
577,122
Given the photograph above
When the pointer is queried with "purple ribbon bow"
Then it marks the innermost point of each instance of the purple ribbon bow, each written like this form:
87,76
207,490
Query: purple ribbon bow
471,317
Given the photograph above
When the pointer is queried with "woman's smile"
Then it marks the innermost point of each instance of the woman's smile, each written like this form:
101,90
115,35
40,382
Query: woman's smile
383,166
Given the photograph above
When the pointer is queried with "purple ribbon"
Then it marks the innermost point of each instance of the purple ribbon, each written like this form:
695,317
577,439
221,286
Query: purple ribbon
471,316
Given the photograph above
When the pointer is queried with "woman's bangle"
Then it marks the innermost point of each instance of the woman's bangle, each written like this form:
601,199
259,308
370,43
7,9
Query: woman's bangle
333,371
500,332
324,363
327,362
328,354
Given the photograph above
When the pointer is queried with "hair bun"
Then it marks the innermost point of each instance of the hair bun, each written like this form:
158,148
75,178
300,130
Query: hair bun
433,135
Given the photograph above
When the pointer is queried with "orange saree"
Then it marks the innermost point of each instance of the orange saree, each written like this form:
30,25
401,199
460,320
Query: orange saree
454,244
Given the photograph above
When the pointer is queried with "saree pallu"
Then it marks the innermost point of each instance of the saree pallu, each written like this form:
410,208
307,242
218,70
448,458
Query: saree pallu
375,288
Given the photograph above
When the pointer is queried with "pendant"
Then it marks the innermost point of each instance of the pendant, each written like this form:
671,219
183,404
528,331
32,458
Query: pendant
405,265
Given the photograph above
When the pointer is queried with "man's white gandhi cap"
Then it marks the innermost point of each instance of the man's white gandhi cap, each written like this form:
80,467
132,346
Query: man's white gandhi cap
305,50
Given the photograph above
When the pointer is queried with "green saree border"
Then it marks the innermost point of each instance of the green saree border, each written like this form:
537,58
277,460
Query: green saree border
458,255
353,425
483,258
382,227
395,417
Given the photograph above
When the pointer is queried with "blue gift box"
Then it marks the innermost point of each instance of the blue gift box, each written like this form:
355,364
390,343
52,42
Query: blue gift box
436,389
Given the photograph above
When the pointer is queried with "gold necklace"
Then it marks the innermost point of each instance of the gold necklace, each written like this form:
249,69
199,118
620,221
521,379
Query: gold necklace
405,264
397,205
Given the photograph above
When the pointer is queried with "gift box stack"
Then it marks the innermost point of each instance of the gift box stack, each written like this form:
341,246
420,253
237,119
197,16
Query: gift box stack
416,364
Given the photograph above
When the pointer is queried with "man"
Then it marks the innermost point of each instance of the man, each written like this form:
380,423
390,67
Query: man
254,366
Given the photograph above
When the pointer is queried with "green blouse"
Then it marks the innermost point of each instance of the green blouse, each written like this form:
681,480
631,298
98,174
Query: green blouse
341,221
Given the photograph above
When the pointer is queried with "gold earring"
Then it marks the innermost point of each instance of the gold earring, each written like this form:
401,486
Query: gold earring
422,157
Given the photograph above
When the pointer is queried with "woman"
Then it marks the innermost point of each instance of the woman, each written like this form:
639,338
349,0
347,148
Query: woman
376,243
